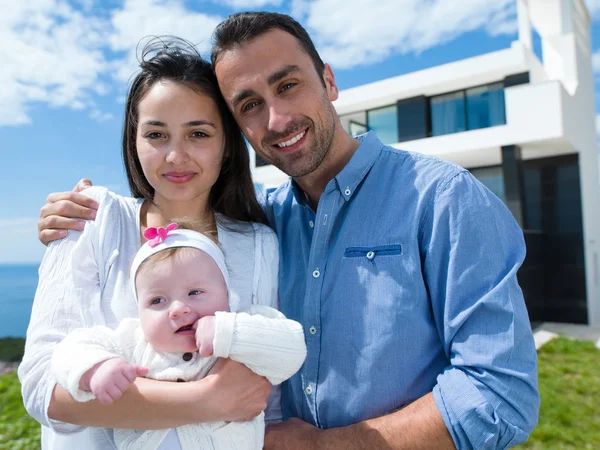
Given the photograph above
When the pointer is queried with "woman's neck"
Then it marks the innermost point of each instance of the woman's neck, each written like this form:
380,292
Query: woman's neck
160,214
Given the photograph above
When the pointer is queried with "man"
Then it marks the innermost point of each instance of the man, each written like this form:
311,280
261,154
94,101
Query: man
402,268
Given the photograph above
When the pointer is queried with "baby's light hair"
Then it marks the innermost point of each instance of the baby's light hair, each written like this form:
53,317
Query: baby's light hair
182,224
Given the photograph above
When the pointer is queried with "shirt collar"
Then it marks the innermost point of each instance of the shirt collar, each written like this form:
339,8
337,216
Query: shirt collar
357,168
359,165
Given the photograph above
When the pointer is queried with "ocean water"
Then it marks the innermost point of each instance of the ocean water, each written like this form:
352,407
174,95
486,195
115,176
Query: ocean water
17,287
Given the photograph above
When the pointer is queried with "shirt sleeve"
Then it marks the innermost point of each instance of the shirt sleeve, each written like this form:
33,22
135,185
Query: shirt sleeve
83,348
68,289
472,249
262,339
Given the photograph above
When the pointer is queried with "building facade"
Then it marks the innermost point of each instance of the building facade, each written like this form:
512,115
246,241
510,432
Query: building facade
524,125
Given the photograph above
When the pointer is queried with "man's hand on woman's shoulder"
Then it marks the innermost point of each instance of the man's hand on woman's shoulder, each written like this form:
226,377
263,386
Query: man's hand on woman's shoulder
62,211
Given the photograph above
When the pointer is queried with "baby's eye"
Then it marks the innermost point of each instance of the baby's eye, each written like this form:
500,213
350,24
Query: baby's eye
156,301
195,292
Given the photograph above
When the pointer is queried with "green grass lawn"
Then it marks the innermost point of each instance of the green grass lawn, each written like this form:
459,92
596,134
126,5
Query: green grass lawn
569,374
569,379
18,431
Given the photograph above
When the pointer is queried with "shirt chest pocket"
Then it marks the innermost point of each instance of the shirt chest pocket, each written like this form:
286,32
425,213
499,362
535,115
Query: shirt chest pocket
379,275
373,252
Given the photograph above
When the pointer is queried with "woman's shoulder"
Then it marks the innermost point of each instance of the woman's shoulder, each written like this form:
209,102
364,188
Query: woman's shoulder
111,203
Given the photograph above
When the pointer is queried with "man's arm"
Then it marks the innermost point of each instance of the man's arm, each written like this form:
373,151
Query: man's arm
61,211
415,427
230,392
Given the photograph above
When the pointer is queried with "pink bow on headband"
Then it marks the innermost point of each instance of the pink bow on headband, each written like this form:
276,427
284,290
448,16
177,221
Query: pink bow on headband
157,235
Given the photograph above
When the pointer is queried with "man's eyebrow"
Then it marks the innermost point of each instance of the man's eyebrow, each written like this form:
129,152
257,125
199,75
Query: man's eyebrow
282,73
240,97
273,78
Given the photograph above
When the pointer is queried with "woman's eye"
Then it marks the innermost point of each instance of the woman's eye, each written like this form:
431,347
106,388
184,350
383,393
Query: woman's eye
200,134
156,301
195,292
154,135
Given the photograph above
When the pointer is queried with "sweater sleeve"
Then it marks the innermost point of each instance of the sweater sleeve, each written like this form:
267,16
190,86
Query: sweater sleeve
83,348
68,288
262,339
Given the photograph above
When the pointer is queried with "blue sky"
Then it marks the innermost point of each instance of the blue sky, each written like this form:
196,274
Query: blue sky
66,65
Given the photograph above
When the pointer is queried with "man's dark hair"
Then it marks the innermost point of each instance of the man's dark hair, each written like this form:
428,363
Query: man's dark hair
176,60
237,29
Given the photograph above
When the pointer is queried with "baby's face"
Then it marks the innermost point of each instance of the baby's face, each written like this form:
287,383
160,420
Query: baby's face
174,293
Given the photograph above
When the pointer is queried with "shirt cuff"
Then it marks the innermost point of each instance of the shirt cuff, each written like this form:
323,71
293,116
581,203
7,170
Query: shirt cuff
471,419
224,325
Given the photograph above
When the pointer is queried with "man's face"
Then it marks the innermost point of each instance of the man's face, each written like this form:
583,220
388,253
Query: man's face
279,101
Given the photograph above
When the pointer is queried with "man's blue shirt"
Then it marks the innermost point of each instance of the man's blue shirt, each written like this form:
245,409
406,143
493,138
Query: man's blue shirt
405,282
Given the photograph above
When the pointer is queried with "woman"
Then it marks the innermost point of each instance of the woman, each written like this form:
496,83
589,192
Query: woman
184,157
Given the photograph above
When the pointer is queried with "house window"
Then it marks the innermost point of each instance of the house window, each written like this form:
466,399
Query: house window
384,122
485,106
356,128
448,113
413,118
492,178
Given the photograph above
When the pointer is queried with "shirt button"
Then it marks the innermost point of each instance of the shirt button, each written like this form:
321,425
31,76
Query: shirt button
311,224
347,191
187,356
316,273
371,255
312,330
308,390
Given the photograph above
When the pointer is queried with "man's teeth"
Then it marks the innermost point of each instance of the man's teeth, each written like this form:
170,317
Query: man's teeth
291,141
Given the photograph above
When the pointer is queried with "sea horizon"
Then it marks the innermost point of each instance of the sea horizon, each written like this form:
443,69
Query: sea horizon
18,282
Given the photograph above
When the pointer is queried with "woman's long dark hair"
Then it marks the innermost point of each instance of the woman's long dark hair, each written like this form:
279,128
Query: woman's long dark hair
176,60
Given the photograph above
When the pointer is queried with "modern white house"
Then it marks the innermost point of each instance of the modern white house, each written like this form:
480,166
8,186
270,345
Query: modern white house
525,126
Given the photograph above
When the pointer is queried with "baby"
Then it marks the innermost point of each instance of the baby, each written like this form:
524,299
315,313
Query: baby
181,285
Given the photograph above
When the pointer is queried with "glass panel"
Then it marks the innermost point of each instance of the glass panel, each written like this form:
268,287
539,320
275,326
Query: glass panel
485,106
357,128
532,198
413,118
448,113
491,178
384,122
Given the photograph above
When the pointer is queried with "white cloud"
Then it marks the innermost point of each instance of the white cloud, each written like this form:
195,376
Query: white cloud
249,4
50,53
100,116
593,7
353,32
142,18
55,54
596,62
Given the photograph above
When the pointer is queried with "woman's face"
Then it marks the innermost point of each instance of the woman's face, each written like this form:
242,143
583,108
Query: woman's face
180,144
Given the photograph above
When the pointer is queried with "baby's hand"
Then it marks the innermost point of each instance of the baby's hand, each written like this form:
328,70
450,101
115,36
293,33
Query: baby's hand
109,379
205,334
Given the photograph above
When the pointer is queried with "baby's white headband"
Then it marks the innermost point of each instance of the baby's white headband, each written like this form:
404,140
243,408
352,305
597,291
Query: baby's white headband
160,239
